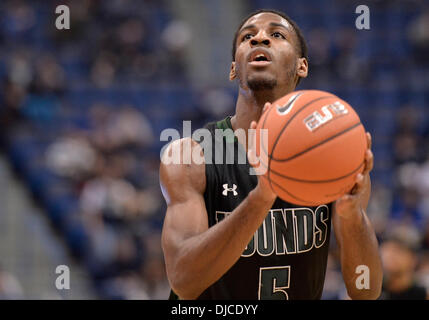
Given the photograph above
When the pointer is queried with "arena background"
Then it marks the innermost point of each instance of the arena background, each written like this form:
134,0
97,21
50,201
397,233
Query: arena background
81,113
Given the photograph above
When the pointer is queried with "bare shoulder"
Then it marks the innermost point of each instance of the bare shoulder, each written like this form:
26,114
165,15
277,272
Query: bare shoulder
182,170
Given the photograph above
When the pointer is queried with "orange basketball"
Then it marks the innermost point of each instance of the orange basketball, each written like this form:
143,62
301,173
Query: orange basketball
314,149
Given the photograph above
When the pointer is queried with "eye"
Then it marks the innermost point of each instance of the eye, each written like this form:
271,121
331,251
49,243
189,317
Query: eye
278,35
247,36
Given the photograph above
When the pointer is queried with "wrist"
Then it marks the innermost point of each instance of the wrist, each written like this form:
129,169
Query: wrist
263,193
353,216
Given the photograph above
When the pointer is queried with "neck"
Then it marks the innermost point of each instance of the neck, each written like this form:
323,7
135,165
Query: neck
250,104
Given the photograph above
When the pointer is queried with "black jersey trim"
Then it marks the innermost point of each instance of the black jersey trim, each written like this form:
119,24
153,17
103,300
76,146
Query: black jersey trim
173,295
225,124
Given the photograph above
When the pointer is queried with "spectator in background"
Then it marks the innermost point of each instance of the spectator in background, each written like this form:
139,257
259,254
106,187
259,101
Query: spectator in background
153,273
399,257
407,141
19,75
425,238
422,274
154,278
109,194
321,59
129,128
71,156
19,18
176,38
103,70
406,208
379,207
418,35
10,289
423,186
407,194
349,65
47,85
121,128
10,104
49,76
334,281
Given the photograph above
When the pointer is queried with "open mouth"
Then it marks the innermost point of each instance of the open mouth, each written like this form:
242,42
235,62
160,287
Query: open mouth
259,58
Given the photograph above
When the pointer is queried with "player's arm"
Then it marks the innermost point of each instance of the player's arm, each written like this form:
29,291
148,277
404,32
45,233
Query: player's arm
356,238
196,256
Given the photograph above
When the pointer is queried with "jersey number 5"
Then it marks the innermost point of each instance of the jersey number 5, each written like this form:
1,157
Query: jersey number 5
272,283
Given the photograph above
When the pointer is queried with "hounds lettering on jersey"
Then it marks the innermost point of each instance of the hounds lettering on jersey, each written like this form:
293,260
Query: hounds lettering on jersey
288,231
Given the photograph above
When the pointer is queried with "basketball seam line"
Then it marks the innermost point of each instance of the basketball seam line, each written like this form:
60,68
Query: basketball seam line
292,195
314,181
284,127
318,144
287,123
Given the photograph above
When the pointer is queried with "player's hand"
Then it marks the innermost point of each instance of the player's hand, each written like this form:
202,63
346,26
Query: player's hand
263,187
353,201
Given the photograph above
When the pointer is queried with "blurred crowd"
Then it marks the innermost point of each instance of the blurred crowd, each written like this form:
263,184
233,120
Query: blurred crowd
91,165
88,149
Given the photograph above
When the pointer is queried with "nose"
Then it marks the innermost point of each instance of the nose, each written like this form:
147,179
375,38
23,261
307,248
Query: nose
260,37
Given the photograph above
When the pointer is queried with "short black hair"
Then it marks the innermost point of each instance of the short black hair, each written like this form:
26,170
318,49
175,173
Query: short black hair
302,44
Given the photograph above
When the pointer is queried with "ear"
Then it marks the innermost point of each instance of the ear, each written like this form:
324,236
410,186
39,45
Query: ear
232,74
302,68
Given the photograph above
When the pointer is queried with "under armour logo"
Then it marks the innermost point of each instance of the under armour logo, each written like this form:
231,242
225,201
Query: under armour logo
226,189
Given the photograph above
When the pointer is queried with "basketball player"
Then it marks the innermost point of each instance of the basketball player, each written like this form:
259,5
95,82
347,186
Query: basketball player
226,235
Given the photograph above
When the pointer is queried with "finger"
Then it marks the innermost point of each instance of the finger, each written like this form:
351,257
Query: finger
251,152
369,140
357,188
251,157
253,125
345,197
266,106
251,135
369,162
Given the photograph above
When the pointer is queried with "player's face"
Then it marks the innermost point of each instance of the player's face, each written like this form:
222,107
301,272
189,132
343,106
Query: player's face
266,56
